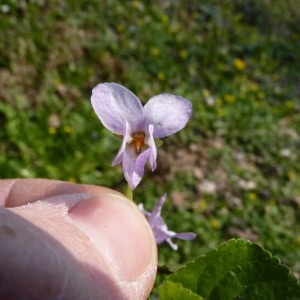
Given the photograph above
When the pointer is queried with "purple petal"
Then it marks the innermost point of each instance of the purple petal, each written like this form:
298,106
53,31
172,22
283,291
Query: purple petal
126,139
114,105
133,167
185,236
158,206
152,145
161,233
144,211
168,113
157,223
160,228
173,246
128,164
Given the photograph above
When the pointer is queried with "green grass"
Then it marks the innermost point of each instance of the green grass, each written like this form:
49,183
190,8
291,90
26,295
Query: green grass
236,61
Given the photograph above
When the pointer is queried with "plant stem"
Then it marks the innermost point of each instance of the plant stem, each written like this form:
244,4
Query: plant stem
129,193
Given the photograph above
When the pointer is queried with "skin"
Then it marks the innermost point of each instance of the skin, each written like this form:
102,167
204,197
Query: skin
60,240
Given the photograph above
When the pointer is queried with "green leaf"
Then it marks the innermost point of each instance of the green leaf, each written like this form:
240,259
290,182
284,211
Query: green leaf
237,269
170,290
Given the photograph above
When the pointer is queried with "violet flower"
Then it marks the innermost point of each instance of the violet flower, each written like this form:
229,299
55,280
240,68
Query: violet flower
160,228
121,112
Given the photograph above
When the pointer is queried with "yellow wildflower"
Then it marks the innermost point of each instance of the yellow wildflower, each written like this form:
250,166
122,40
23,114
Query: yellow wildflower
229,98
154,51
239,64
221,112
183,54
290,104
68,129
195,15
214,224
161,76
202,205
52,130
120,28
291,175
252,196
206,93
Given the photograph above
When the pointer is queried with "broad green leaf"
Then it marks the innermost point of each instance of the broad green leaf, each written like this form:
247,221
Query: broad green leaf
238,269
175,291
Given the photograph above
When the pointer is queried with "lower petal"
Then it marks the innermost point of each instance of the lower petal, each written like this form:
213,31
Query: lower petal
133,167
173,246
185,236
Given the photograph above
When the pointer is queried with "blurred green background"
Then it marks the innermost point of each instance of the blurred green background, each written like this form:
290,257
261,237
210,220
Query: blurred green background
232,172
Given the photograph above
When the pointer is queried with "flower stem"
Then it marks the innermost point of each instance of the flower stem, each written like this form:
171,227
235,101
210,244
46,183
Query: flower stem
129,193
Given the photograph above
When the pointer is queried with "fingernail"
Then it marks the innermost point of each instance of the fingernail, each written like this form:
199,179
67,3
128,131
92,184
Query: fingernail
120,232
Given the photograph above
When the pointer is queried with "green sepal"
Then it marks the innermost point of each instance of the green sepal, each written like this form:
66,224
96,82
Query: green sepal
158,142
118,136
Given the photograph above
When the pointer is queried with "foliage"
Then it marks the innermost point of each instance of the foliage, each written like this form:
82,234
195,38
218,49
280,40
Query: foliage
236,269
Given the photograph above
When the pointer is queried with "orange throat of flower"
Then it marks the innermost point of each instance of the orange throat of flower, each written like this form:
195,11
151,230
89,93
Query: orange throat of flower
138,141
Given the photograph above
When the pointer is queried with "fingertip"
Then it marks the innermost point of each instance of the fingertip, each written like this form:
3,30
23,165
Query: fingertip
120,232
104,239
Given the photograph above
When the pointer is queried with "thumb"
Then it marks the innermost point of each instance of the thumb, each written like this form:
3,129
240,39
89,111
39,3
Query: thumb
120,232
101,245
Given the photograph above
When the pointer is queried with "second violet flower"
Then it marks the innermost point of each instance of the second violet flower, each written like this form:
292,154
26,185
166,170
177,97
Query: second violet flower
121,112
160,228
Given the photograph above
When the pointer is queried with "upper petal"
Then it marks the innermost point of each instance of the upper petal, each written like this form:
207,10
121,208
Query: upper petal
173,246
144,211
168,113
158,206
114,105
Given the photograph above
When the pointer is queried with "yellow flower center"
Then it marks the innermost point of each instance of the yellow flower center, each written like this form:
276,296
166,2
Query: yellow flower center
138,141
